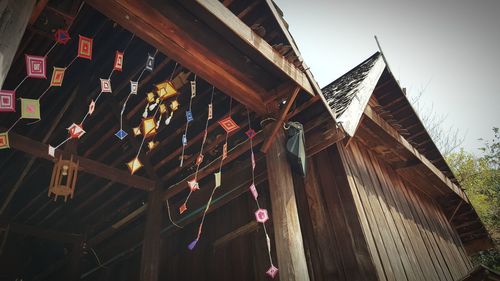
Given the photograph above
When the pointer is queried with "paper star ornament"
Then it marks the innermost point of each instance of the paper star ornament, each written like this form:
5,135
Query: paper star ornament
76,131
4,140
30,109
137,131
84,47
7,101
174,105
62,36
165,90
35,66
105,85
134,165
118,65
148,127
228,124
57,76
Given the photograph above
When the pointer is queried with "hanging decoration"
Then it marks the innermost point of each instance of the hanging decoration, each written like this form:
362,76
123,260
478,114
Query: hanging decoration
4,140
57,76
193,184
149,124
85,47
36,66
61,36
30,109
7,101
118,65
189,118
76,131
134,87
217,179
63,180
261,214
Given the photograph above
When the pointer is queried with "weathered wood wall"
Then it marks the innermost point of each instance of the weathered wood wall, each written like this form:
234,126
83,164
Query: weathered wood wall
407,233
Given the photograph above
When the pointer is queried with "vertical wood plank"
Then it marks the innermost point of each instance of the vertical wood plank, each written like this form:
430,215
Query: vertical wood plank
150,260
288,236
384,272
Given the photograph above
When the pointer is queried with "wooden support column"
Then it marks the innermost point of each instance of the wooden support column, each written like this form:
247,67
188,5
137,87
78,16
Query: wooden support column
14,17
150,260
73,272
289,245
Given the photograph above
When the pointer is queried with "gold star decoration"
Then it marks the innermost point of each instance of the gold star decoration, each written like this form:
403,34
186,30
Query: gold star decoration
148,127
165,90
134,165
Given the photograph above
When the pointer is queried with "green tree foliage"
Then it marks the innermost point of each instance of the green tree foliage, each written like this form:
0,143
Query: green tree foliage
480,178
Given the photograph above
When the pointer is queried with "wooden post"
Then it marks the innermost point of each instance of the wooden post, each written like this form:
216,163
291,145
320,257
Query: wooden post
14,17
73,273
289,245
150,260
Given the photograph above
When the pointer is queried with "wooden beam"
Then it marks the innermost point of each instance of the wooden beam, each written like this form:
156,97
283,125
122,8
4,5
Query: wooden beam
279,123
223,20
388,129
287,232
240,231
44,233
39,150
179,35
37,10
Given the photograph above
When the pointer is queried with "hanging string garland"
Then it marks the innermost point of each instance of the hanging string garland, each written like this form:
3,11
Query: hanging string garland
261,214
149,126
76,131
217,176
134,88
36,67
193,184
189,118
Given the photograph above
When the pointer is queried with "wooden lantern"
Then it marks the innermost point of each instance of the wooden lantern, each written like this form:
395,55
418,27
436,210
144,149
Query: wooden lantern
63,179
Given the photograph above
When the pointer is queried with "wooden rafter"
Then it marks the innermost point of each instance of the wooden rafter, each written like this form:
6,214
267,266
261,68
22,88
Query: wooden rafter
39,150
171,29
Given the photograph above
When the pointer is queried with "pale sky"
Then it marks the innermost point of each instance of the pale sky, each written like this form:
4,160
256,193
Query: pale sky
449,47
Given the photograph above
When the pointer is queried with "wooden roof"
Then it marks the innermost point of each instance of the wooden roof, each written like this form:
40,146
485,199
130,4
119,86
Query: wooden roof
109,202
368,100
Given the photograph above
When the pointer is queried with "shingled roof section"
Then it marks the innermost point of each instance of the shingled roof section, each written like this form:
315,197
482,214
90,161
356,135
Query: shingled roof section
340,93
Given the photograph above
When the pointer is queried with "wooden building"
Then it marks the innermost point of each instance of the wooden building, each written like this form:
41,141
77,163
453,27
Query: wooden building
377,201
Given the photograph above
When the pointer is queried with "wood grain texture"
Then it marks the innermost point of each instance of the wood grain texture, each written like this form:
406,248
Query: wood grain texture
289,245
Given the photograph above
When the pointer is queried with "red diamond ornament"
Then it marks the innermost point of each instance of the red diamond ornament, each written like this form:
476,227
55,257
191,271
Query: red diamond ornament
61,36
228,124
118,66
85,47
75,131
